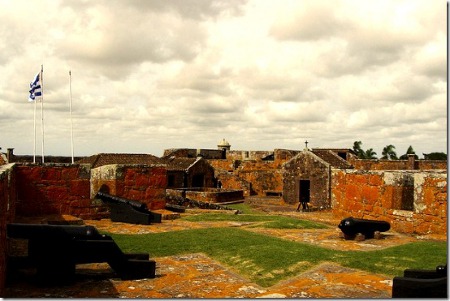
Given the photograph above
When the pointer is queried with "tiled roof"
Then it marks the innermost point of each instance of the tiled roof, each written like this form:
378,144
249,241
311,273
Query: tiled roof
179,164
331,158
106,159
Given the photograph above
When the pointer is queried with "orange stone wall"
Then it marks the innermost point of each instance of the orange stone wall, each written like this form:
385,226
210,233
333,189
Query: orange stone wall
142,183
381,164
412,202
7,213
263,176
55,189
248,171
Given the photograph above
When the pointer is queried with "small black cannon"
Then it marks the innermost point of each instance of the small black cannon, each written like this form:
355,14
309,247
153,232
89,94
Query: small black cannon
128,211
54,250
352,226
421,283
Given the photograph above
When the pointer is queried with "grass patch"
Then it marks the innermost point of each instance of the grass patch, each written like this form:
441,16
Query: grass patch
266,260
392,261
264,221
245,208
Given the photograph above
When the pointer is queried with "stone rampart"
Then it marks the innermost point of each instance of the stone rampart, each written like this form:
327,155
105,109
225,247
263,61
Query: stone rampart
207,195
142,183
413,202
381,164
7,213
55,189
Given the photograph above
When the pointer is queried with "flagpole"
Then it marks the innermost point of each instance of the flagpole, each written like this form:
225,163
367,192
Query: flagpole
71,121
42,110
34,140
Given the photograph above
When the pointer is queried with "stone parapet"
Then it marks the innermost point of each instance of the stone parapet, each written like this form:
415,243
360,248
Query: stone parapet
413,202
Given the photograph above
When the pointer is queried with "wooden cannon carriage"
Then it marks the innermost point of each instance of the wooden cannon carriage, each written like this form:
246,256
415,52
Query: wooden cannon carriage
54,250
421,283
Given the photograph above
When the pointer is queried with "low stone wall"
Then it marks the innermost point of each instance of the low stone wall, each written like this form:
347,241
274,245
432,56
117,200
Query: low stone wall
7,214
381,164
142,183
411,201
55,189
207,195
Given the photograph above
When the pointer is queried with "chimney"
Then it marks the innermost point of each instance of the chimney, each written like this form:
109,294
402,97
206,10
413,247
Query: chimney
411,161
10,155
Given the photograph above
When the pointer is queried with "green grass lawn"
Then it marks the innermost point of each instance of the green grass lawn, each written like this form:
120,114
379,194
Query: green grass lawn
266,260
264,221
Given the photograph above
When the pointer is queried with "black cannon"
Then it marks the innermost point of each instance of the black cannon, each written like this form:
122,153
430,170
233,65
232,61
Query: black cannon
421,283
352,226
54,250
128,211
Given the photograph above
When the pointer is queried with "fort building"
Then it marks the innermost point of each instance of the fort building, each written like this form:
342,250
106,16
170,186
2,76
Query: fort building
410,194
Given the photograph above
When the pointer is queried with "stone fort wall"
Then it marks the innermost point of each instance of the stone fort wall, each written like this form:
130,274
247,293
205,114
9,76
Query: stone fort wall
142,183
413,202
8,200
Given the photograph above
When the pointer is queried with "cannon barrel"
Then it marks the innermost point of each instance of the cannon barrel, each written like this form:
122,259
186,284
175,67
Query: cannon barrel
115,199
54,232
352,226
128,211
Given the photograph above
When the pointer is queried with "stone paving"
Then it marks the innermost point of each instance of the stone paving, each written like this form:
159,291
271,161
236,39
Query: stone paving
198,276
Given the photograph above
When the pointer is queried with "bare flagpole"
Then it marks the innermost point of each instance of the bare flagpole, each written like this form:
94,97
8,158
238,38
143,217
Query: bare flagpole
71,121
42,110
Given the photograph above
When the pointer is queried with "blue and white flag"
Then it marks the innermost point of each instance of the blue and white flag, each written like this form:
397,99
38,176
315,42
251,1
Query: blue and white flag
35,88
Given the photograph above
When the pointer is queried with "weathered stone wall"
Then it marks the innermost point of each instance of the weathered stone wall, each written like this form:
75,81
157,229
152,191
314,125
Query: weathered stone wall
193,153
205,170
243,155
231,181
207,195
55,189
411,201
432,164
215,196
222,165
142,183
430,202
7,213
262,180
283,155
381,164
263,176
254,177
175,179
307,166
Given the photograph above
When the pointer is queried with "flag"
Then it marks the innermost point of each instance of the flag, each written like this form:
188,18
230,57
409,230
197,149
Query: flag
35,88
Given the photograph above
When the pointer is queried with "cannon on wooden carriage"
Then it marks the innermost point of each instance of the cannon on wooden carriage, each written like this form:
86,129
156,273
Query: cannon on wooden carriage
421,283
54,250
351,227
128,211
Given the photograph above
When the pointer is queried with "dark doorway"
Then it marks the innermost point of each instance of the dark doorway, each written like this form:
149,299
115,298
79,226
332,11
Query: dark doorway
342,155
198,180
304,191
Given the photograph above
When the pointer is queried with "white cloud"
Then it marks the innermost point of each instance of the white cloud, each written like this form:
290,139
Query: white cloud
149,75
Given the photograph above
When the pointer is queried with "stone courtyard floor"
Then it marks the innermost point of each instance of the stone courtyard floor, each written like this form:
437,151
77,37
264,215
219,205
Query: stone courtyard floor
198,276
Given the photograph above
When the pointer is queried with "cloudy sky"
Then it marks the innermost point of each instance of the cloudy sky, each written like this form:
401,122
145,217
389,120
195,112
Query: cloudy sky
149,75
